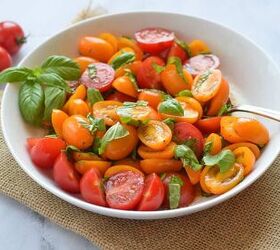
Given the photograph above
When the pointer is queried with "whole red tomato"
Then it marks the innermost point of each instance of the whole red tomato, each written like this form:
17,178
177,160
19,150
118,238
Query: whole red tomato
5,59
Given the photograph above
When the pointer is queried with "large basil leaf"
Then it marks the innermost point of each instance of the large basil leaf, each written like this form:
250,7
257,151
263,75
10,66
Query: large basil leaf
15,75
53,80
122,59
171,107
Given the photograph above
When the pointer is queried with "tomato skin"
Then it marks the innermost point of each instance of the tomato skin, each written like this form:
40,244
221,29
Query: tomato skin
58,117
120,97
45,151
92,189
185,131
209,125
65,174
187,190
147,77
31,142
124,190
5,59
11,36
153,97
153,193
177,51
78,107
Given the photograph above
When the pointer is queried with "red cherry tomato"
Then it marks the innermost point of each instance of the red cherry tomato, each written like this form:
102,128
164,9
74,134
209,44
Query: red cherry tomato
65,175
92,189
45,151
5,59
31,142
147,77
153,194
124,190
209,125
154,40
187,190
99,76
11,36
177,51
118,96
184,131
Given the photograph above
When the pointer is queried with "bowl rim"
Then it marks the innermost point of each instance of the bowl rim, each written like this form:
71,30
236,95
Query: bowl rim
131,214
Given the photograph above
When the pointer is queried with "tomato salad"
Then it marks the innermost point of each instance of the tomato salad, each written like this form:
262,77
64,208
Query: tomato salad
137,124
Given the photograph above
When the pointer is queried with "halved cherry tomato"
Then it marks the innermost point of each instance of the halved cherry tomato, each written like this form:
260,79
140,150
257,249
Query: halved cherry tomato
202,179
219,183
209,125
120,97
80,93
124,42
120,168
87,156
84,61
110,38
198,47
124,190
184,131
96,48
152,96
107,111
147,76
216,143
206,85
74,132
154,40
92,189
178,51
128,161
99,76
65,174
121,148
228,129
251,146
125,85
78,107
194,176
159,166
45,151
149,153
120,52
187,190
219,99
153,194
246,158
85,165
173,82
155,134
58,118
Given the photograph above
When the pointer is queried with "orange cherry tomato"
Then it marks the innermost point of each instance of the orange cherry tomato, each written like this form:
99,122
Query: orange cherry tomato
129,162
219,183
78,107
228,129
206,85
120,168
96,48
121,148
152,96
246,158
80,93
198,47
85,165
58,118
158,166
125,85
84,61
173,82
88,156
155,134
148,153
120,52
110,38
107,111
134,67
256,151
124,42
74,133
202,179
216,142
194,176
209,125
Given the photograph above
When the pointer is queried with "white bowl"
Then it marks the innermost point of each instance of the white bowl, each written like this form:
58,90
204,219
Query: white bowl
250,71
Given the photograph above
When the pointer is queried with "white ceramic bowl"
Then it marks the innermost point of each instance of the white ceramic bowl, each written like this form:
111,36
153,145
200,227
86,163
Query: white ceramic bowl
250,71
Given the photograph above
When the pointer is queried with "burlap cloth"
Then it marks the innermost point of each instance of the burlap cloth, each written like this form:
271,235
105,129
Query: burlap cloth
248,221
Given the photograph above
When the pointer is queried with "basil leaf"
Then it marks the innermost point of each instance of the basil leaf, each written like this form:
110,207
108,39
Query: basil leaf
169,122
69,149
15,75
178,64
186,93
207,147
224,160
115,132
53,80
92,71
96,145
174,194
171,107
94,124
132,78
158,68
191,143
122,59
225,109
62,66
176,180
187,157
54,99
31,102
93,96
184,46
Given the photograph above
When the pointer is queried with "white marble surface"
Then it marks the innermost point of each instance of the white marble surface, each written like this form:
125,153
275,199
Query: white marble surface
21,228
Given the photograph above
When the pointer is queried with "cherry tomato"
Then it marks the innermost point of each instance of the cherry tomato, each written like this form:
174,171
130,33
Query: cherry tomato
92,189
209,125
11,36
198,47
99,76
85,165
120,168
154,40
216,142
228,131
65,174
159,166
120,97
78,107
31,142
87,156
124,42
149,153
152,96
147,76
254,148
155,134
124,190
177,51
184,131
110,38
80,93
45,151
187,190
246,157
5,59
129,161
84,61
58,118
153,194
125,85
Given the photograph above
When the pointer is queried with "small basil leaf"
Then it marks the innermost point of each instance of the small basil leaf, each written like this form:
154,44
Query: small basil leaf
15,75
31,102
92,71
174,194
208,147
225,109
184,46
122,59
132,78
93,96
191,143
186,93
96,145
171,107
176,180
69,149
169,122
224,160
178,64
53,80
158,68
93,124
